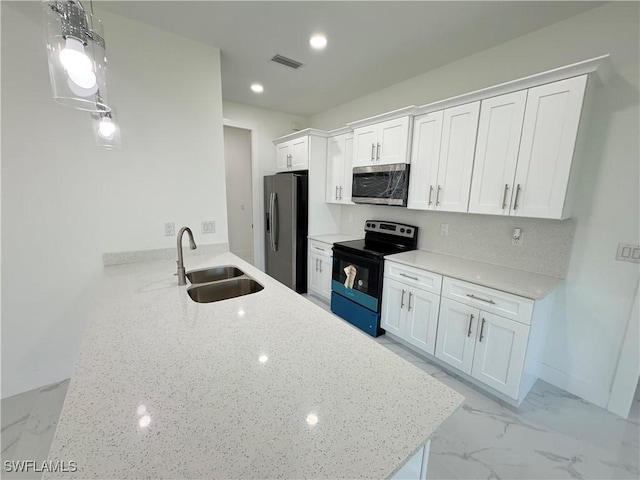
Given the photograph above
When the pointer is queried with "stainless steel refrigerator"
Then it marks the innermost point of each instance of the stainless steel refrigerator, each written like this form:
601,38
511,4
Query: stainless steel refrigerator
286,205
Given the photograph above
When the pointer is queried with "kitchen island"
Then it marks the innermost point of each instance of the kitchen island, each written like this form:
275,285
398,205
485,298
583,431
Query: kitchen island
259,386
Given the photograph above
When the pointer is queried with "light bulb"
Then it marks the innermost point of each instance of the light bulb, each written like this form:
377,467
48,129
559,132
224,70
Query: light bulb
318,41
257,88
80,91
73,58
107,128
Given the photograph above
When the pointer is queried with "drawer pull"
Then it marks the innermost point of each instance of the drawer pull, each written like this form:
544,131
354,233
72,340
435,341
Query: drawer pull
481,299
470,322
409,276
481,330
402,300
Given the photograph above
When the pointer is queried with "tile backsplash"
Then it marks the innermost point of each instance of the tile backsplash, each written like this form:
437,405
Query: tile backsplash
546,244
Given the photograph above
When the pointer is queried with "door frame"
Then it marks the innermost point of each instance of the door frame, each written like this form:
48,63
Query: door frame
256,192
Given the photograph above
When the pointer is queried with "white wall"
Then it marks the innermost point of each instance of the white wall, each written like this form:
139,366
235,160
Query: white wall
594,303
65,201
266,125
237,153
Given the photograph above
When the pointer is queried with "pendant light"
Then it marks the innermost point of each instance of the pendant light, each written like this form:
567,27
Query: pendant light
106,130
76,55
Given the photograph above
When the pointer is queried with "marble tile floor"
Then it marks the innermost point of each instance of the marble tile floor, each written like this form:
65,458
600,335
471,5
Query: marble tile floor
28,424
553,435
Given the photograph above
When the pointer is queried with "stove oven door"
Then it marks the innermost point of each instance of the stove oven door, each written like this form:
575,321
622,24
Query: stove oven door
357,278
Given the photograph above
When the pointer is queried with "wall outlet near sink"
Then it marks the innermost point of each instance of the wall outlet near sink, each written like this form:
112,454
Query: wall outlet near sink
516,238
209,227
169,229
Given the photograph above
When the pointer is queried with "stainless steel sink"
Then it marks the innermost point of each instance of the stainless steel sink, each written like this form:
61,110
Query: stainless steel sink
206,275
222,290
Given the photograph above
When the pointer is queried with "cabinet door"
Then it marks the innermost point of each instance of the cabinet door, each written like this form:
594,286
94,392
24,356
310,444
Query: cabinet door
456,338
393,141
335,168
300,153
459,129
283,150
347,172
425,153
394,296
549,133
422,319
365,140
325,265
314,276
500,352
494,168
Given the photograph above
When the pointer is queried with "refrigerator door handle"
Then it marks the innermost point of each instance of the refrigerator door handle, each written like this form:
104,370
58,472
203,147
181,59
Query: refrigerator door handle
275,222
270,214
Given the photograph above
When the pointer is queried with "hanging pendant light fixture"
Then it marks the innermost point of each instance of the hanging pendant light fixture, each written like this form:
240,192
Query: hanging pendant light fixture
106,130
77,57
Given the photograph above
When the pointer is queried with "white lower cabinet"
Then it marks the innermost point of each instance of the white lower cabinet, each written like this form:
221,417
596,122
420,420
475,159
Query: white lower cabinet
319,269
410,313
458,323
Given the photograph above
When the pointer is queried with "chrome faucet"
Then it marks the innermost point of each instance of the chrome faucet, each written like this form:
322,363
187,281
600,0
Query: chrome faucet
182,273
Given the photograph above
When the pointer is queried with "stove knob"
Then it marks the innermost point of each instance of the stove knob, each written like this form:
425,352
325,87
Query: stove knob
373,225
408,230
402,230
368,225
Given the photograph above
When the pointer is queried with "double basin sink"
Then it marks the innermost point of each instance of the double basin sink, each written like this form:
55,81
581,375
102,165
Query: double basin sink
220,283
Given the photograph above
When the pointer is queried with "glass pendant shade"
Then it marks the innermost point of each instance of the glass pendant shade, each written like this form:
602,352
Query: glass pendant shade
106,129
76,55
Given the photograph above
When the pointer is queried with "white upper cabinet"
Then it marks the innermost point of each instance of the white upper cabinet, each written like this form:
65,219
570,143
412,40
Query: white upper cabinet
339,168
459,128
494,169
547,146
382,140
425,154
442,159
293,155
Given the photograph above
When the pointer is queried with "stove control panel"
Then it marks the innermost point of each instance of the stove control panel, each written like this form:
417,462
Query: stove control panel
391,228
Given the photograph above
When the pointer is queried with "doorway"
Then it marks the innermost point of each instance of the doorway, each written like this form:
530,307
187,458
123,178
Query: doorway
238,173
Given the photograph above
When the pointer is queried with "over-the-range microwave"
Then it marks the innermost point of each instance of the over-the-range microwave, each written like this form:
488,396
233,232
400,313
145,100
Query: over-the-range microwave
381,184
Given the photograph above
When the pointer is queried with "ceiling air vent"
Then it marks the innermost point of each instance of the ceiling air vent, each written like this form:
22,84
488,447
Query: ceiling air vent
287,62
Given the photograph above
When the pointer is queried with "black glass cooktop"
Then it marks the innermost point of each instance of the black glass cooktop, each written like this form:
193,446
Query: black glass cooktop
375,249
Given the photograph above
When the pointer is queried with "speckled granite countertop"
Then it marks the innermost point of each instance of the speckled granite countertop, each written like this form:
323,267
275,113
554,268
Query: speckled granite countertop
261,386
518,282
334,238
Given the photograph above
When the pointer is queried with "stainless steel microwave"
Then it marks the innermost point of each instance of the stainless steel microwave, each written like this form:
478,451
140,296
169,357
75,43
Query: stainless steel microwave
381,184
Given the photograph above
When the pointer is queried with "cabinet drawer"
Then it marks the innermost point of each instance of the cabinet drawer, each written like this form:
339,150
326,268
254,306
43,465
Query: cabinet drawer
490,300
321,248
430,282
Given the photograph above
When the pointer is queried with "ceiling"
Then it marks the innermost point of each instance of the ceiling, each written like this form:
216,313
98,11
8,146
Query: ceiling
371,45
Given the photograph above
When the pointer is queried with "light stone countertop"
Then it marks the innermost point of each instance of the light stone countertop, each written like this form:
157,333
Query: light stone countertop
518,282
260,386
334,238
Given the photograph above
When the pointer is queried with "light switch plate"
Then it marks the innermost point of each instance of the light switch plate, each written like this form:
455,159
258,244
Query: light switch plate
169,229
628,252
444,229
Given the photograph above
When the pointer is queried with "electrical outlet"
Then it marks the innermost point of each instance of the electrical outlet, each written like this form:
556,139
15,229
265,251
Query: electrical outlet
444,229
516,238
169,229
628,253
209,227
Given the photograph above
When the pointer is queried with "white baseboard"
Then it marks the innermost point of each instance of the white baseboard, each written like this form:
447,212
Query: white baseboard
574,385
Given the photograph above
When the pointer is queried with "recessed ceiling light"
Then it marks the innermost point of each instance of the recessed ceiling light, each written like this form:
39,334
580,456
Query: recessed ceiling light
318,41
257,88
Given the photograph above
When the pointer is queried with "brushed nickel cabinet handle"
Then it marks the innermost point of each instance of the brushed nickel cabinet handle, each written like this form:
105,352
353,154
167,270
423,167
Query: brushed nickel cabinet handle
430,193
481,299
504,197
336,192
320,266
469,328
402,300
481,330
373,151
340,193
316,264
408,276
515,202
409,305
378,153
438,195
